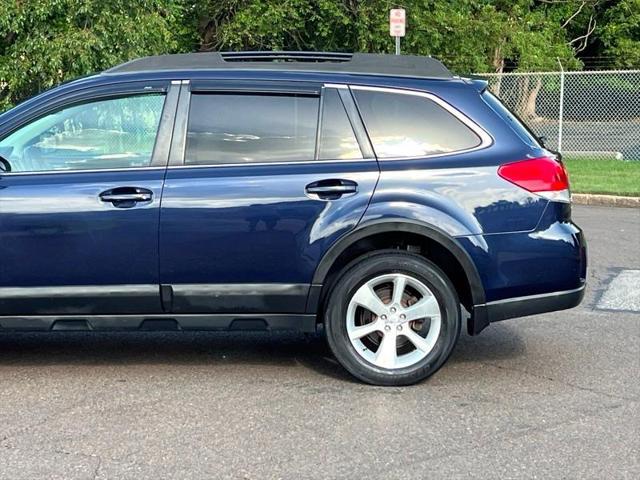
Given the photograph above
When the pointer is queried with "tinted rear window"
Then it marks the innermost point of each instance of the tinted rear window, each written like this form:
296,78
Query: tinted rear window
402,125
239,128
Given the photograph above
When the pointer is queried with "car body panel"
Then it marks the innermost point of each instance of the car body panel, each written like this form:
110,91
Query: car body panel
57,234
529,263
64,251
247,239
252,224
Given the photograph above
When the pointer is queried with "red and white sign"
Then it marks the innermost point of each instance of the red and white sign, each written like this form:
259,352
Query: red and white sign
397,22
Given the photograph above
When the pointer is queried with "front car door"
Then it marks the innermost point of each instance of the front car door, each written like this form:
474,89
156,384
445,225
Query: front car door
268,177
79,207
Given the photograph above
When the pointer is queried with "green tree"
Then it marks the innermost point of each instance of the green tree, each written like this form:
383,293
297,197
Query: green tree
470,35
45,42
620,33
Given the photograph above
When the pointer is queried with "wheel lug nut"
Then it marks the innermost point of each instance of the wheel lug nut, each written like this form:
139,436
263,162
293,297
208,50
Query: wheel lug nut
399,327
387,327
403,316
393,309
383,317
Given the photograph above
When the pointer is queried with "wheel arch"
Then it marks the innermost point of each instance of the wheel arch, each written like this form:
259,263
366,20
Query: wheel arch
447,248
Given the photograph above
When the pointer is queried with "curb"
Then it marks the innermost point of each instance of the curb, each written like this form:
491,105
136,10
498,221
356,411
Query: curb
605,200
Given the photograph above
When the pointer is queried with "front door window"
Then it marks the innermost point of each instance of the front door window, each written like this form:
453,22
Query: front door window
104,134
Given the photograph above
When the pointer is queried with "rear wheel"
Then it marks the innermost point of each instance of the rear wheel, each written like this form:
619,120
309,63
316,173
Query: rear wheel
392,318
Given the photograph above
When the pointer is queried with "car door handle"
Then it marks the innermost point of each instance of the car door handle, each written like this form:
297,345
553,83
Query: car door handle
331,189
125,197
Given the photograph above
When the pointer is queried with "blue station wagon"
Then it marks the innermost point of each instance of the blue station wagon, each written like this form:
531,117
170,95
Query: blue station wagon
379,198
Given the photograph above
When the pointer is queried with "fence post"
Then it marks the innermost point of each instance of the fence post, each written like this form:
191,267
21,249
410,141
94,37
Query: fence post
561,110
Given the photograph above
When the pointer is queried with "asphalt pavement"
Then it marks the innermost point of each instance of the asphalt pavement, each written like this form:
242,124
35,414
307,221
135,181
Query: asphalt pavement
549,396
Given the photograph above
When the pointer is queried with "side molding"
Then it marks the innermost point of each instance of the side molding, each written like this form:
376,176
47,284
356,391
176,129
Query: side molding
79,299
256,298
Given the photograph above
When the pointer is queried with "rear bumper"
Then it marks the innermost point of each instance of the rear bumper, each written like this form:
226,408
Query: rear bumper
524,306
531,273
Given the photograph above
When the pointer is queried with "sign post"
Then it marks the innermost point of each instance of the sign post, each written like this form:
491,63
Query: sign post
397,25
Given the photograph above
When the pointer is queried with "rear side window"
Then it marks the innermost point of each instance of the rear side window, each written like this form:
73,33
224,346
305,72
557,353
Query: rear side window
248,128
405,125
337,140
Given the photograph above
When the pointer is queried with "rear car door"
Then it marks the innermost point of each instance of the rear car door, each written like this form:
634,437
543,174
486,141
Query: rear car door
79,207
263,178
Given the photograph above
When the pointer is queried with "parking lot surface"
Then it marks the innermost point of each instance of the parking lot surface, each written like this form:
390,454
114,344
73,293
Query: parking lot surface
550,396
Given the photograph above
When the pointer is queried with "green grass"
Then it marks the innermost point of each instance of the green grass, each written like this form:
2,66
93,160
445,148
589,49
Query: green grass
611,177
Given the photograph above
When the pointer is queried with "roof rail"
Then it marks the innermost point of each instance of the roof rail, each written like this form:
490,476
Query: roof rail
332,62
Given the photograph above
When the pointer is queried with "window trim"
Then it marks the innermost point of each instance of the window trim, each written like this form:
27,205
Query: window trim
256,87
486,140
319,120
178,149
355,122
179,134
355,119
83,97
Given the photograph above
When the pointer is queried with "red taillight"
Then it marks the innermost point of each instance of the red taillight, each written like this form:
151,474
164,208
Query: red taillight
544,176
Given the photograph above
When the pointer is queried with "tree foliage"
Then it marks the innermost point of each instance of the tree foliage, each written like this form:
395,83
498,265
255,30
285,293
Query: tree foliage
44,42
470,35
621,33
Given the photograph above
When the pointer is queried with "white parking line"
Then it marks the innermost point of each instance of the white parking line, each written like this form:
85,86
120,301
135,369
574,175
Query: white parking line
623,292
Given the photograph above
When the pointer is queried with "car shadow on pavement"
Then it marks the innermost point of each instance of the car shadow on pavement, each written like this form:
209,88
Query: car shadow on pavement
147,348
497,342
286,350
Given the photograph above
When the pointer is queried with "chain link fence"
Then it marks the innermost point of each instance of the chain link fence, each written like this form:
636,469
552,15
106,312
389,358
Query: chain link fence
593,114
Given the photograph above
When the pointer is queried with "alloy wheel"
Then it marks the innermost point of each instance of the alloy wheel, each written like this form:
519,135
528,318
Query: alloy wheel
393,321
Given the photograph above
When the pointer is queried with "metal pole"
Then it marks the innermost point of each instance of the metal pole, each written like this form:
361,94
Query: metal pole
397,45
561,111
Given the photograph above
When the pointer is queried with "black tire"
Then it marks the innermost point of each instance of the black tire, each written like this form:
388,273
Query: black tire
370,266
